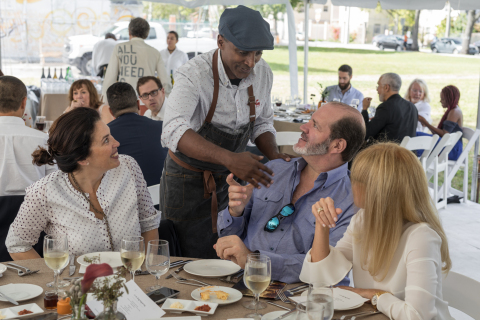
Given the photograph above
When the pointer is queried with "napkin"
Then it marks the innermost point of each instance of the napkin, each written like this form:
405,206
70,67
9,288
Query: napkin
342,299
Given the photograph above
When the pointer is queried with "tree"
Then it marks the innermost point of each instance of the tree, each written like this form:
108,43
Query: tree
415,31
274,10
467,38
456,26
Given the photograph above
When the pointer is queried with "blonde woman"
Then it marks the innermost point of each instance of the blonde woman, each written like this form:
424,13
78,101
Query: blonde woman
417,94
395,243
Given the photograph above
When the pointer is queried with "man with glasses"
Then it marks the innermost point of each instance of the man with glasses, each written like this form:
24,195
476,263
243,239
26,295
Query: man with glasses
278,221
152,94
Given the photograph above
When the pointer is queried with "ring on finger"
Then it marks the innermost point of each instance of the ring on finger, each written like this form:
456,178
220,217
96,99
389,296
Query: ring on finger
319,209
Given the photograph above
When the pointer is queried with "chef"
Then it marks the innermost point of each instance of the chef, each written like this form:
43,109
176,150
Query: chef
220,100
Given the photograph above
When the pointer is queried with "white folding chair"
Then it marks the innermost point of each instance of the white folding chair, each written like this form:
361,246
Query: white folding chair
437,162
287,138
461,293
155,193
425,143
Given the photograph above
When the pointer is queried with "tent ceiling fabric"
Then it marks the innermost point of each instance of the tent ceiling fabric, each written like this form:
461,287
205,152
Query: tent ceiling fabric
465,4
405,4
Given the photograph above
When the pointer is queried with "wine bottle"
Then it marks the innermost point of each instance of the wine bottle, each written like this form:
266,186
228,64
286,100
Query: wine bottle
104,72
171,77
55,73
61,75
68,75
49,76
43,73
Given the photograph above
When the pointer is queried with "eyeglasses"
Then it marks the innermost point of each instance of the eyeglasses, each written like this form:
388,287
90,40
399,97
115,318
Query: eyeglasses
153,93
274,222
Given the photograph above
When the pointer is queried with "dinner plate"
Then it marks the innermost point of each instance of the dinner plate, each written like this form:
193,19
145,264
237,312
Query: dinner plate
276,314
21,291
111,258
12,312
3,268
344,299
212,268
233,295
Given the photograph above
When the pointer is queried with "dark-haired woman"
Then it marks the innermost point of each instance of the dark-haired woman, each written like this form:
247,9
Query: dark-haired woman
96,198
172,56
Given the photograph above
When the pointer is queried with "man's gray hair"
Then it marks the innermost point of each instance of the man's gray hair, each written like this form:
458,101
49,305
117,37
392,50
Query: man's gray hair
139,28
393,80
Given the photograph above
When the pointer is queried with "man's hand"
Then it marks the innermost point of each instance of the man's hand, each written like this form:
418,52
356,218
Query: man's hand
366,103
238,196
283,156
247,166
232,248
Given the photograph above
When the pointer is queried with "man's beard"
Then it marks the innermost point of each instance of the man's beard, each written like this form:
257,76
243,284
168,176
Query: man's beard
344,86
318,149
381,97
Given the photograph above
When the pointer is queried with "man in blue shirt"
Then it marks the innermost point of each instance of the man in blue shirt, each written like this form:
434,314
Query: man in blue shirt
328,141
139,136
344,92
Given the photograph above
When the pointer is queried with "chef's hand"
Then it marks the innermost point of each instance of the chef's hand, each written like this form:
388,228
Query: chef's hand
283,156
366,103
232,248
247,166
238,196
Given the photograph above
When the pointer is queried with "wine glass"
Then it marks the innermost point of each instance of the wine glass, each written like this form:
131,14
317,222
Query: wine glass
40,123
55,254
252,304
278,101
132,254
320,301
336,100
157,260
355,103
258,274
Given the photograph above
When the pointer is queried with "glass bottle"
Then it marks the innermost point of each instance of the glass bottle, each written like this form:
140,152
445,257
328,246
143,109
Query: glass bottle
43,73
55,73
110,312
61,75
49,76
171,77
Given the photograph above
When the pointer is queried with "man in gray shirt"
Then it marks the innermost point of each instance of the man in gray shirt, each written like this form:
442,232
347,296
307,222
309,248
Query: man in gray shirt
344,92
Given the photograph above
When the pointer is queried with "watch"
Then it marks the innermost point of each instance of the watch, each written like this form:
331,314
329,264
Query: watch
375,298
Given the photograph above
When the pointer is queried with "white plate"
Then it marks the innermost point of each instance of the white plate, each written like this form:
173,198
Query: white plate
21,291
111,258
234,295
178,318
189,306
12,312
212,268
3,268
276,314
346,293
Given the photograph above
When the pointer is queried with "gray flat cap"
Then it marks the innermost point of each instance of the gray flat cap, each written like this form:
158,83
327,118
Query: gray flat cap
246,29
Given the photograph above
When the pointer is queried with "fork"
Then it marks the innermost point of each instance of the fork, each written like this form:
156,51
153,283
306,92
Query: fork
21,273
284,298
359,314
183,279
19,266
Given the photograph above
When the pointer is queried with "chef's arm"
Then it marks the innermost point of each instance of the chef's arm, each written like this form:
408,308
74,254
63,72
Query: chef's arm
267,145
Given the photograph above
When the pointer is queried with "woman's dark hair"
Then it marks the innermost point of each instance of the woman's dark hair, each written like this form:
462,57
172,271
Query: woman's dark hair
174,33
70,139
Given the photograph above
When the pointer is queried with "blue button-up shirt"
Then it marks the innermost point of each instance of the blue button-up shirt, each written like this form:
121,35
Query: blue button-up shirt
336,93
289,243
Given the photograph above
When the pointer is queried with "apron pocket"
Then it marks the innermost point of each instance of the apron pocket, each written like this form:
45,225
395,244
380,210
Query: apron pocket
175,194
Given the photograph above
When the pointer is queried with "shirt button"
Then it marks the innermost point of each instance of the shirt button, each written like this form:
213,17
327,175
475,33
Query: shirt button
266,198
281,229
228,220
271,249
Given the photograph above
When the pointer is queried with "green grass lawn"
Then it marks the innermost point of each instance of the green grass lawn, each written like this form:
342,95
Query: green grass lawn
438,71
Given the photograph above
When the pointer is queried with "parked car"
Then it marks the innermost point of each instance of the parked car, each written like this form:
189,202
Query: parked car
477,44
377,38
393,42
451,45
77,51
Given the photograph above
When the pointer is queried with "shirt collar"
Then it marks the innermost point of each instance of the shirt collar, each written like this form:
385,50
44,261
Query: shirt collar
222,74
12,120
330,177
137,39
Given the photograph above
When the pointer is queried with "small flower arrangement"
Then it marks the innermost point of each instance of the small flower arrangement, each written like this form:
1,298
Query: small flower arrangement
323,91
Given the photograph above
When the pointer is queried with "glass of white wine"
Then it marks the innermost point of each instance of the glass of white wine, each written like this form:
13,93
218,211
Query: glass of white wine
55,254
132,254
252,304
258,274
157,260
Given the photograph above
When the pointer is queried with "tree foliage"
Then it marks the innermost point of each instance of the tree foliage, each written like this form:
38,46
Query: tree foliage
163,11
457,25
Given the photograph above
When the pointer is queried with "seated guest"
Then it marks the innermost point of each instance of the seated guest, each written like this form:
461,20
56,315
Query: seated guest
17,141
395,118
277,221
395,243
344,92
96,198
452,120
152,94
82,93
138,136
417,94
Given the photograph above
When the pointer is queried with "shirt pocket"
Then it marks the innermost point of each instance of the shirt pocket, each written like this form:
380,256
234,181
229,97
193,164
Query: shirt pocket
304,230
266,204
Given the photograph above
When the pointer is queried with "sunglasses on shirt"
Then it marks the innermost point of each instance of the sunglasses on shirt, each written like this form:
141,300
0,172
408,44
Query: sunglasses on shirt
275,221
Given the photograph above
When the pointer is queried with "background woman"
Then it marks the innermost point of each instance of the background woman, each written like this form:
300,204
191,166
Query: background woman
96,198
82,93
452,120
417,94
395,243
172,56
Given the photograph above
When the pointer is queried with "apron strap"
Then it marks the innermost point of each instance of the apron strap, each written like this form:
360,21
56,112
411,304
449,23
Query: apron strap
216,86
251,103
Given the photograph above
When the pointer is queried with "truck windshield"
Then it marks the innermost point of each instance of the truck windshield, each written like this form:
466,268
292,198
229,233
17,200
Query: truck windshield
104,32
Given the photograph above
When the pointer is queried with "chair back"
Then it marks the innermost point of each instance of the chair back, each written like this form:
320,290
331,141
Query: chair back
461,293
287,138
425,143
155,193
443,148
468,133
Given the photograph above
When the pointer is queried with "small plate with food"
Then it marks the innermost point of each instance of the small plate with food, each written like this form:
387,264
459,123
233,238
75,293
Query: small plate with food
20,311
216,294
197,307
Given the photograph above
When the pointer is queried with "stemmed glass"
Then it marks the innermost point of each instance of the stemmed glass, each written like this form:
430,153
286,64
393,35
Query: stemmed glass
354,103
258,274
157,260
252,304
55,254
320,301
132,254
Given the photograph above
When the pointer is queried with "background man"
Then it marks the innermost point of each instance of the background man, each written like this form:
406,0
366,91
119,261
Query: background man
138,136
395,118
152,94
329,140
101,53
135,59
344,91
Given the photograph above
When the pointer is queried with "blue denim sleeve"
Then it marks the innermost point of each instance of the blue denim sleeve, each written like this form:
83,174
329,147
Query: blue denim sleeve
228,225
285,267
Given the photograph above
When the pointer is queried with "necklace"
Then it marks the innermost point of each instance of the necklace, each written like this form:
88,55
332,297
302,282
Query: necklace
77,186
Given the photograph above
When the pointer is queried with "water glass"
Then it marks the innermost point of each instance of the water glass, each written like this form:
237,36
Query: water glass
55,254
302,313
157,260
355,102
320,301
258,274
132,254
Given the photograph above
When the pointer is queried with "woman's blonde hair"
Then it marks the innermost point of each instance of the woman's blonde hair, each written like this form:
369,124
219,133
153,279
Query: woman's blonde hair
94,102
396,192
424,87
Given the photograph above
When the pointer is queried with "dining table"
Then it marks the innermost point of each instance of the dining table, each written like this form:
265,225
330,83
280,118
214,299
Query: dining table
223,312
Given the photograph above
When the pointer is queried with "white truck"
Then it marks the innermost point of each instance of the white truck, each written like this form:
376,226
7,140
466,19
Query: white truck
77,51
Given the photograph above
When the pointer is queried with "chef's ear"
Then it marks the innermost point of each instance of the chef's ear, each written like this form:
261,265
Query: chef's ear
220,41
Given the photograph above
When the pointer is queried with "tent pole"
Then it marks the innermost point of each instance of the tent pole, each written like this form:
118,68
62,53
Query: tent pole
292,50
305,62
473,195
449,12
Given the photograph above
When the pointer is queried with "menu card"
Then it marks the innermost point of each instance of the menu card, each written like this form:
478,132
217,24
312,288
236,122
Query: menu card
135,305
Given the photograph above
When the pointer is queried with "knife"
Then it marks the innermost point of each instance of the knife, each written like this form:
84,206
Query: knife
8,299
286,314
72,265
176,271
